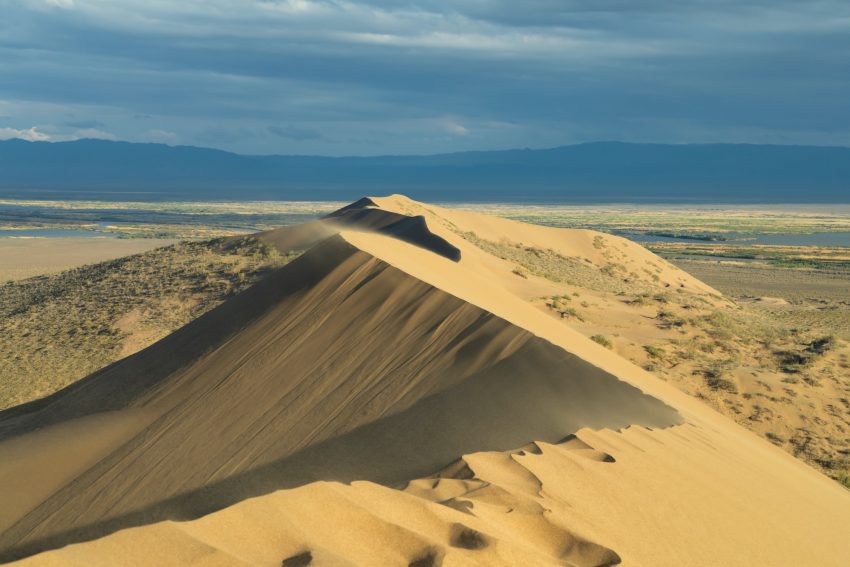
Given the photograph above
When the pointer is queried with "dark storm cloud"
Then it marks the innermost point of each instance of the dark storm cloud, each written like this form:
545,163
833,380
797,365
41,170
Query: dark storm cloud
424,76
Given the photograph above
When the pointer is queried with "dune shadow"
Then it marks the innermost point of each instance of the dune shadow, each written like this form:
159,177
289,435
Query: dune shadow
411,229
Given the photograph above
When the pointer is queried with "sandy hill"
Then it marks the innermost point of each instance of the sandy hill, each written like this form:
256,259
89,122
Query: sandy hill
289,424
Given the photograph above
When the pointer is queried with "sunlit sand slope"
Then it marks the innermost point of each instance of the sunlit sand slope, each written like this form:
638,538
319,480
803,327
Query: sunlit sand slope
678,496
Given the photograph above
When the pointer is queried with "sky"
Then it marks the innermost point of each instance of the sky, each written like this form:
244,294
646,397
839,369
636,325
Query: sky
340,77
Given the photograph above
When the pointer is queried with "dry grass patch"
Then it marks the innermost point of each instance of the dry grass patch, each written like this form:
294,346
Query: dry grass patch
57,329
556,267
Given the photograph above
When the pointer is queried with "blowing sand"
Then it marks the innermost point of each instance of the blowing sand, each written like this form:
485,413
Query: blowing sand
288,425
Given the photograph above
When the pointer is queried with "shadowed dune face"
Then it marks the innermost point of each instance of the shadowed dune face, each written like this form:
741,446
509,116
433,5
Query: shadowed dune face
337,367
411,229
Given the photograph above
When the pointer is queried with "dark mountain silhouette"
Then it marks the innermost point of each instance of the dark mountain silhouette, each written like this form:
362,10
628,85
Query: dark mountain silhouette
593,172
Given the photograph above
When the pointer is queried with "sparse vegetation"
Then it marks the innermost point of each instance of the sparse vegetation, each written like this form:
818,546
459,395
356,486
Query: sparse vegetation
715,376
602,340
775,439
556,267
780,346
669,319
822,345
570,312
654,351
56,329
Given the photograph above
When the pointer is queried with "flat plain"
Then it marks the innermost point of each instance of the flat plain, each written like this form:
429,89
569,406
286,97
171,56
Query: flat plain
22,258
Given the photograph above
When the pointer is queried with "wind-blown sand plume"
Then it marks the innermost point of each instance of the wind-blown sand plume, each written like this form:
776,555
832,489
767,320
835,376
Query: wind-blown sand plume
388,350
361,215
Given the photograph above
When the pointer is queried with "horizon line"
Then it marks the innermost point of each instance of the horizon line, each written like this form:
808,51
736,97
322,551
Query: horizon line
368,156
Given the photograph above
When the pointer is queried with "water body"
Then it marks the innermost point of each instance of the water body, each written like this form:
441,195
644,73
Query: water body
53,233
814,239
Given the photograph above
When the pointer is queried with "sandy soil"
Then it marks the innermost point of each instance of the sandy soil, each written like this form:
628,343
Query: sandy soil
677,496
26,257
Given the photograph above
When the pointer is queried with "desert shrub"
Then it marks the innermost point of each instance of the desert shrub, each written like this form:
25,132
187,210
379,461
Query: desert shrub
714,374
720,325
774,438
640,299
821,345
723,384
707,347
557,301
687,352
668,319
611,269
811,381
570,312
654,351
602,340
791,362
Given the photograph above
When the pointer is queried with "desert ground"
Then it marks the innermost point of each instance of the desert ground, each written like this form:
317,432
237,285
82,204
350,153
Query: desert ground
407,384
22,258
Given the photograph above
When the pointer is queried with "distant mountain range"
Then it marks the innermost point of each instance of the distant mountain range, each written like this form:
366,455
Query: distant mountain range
592,172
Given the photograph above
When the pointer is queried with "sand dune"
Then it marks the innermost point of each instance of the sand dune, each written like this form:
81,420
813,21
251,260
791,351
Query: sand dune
678,496
389,349
296,364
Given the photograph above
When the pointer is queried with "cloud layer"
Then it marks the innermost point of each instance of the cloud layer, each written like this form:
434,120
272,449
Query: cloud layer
370,77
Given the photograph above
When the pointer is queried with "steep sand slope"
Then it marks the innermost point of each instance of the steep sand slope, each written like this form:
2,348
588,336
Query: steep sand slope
383,357
268,390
